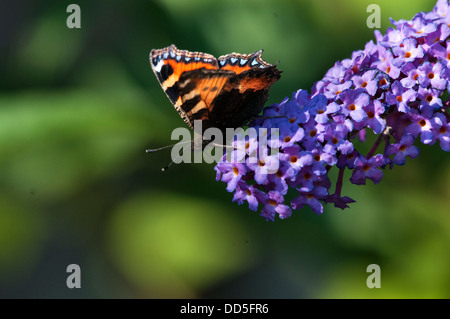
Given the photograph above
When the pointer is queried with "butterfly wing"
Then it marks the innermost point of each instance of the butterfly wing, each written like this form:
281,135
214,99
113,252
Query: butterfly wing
198,89
222,92
169,64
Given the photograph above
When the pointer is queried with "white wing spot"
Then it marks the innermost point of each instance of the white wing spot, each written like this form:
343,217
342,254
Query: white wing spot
158,66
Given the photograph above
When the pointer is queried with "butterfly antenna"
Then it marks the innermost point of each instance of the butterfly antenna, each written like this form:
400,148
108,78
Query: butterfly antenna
164,169
232,147
227,146
151,150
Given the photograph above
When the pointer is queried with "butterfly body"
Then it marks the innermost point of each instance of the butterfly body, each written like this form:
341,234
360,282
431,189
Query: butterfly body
223,93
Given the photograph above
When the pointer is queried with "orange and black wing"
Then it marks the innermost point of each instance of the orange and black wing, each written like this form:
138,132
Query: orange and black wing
223,92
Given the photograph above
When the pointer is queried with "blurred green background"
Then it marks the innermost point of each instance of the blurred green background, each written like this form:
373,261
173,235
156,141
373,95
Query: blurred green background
78,108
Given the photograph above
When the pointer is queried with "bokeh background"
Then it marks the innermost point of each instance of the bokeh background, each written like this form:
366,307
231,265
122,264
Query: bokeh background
78,108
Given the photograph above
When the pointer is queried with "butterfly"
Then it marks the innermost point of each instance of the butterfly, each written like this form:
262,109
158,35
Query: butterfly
223,93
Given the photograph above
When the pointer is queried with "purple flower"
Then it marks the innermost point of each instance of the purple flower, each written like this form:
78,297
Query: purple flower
385,63
278,181
366,81
322,109
412,75
353,102
263,166
441,34
419,27
333,91
397,87
273,204
392,38
231,173
400,96
336,139
312,199
439,11
402,149
407,51
247,193
429,100
290,108
296,158
368,169
244,146
420,125
336,74
374,120
322,158
441,130
289,135
348,160
305,179
312,132
430,74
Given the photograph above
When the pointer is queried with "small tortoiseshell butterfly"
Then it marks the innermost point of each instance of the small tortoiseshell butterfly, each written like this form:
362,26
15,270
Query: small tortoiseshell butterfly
223,93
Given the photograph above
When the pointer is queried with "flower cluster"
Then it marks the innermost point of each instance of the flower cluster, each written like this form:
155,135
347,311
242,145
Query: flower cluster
396,87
